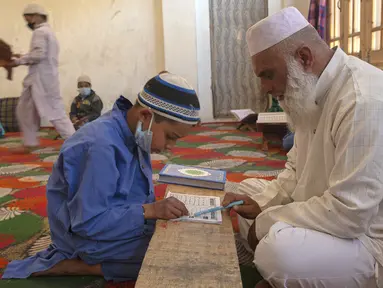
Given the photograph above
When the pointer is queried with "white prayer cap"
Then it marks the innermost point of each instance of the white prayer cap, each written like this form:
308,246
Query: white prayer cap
274,29
84,78
34,9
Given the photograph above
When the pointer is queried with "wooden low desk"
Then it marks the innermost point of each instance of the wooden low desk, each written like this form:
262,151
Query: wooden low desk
191,255
267,129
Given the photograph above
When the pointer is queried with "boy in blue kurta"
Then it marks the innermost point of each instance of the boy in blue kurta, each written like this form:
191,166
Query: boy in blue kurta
101,203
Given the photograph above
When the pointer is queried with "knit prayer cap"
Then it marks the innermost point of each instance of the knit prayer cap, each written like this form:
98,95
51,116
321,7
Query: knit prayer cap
171,96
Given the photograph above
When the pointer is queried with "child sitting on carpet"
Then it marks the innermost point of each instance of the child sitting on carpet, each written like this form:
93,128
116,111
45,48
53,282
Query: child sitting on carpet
101,203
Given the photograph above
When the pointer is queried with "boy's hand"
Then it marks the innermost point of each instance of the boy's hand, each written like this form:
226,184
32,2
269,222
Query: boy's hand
249,209
169,208
74,120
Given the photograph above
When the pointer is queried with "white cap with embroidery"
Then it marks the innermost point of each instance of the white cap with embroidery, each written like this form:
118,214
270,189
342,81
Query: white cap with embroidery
274,29
84,78
34,9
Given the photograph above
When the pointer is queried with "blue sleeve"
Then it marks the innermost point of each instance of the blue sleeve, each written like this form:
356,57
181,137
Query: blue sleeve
92,177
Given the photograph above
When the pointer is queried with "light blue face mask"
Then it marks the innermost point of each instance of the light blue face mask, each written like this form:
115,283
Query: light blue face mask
144,138
85,91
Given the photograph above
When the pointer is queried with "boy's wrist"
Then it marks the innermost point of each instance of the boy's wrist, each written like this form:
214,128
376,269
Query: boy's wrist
149,212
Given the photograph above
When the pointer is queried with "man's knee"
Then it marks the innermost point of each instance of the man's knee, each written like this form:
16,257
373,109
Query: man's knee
275,254
64,127
300,257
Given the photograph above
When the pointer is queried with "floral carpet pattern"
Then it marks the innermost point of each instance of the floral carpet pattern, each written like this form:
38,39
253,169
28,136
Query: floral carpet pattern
24,227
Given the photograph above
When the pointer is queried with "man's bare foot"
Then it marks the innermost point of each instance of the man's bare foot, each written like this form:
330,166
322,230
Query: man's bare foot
21,150
73,267
263,284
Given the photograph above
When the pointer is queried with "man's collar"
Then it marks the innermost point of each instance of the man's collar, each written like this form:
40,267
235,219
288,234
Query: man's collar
41,25
328,75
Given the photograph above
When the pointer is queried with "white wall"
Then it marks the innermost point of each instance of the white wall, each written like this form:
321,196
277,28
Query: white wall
301,5
187,46
204,59
179,24
118,43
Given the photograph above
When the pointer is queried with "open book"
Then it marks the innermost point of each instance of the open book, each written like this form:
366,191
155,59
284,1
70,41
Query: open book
196,203
242,113
272,118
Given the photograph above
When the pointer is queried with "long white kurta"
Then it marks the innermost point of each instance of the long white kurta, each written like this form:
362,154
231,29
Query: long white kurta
333,182
42,82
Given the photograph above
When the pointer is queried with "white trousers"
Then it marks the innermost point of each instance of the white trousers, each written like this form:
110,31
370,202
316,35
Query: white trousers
296,257
29,122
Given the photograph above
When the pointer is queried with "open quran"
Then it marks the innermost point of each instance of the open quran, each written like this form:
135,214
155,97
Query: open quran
272,118
196,203
241,114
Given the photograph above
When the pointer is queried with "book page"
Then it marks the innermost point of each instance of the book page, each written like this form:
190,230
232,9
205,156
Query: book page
196,203
272,117
242,113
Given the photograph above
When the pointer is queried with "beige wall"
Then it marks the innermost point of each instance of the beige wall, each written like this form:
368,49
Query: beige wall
122,43
118,43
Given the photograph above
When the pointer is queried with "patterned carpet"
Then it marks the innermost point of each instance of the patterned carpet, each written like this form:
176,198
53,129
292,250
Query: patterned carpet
23,224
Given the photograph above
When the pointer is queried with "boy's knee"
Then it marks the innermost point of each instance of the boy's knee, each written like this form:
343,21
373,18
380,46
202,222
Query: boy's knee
121,271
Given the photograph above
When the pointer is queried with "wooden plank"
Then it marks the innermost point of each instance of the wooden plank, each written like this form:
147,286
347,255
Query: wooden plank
191,255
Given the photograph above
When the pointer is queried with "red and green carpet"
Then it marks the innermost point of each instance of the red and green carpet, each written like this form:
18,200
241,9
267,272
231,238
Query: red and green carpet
24,227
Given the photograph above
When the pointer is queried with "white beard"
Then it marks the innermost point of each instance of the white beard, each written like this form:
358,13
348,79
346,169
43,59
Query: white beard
299,98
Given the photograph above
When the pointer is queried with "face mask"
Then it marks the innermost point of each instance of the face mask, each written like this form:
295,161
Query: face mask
31,26
144,138
84,91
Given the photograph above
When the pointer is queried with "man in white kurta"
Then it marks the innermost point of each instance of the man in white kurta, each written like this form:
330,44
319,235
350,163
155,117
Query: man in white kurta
41,88
320,223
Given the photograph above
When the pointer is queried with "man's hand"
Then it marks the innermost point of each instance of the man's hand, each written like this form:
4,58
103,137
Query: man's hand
3,62
11,64
169,208
249,209
252,237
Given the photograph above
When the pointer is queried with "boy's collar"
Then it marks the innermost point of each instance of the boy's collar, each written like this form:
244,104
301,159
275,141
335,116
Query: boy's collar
120,109
122,104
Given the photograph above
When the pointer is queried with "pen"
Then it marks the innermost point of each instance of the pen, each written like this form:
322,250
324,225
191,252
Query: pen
218,208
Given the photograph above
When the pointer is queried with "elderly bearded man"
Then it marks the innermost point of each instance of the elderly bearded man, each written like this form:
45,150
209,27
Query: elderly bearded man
320,223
